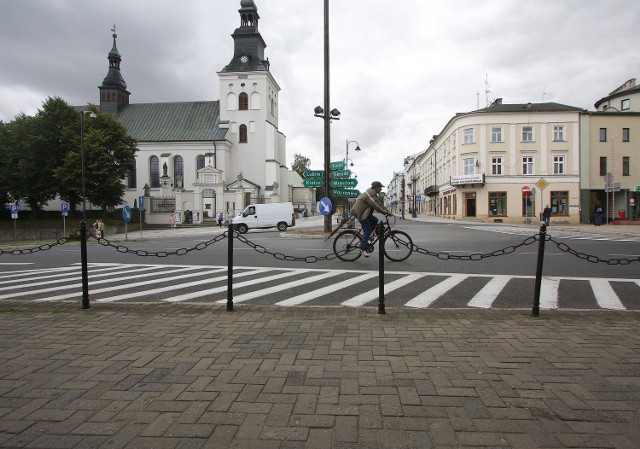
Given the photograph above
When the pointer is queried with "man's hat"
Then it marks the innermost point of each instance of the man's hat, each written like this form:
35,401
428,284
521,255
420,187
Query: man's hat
375,184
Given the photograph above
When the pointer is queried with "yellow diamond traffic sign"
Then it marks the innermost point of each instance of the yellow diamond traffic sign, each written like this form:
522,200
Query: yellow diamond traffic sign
542,184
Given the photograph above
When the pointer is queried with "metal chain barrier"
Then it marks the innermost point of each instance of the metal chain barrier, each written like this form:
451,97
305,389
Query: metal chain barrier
476,256
262,250
44,247
143,253
590,258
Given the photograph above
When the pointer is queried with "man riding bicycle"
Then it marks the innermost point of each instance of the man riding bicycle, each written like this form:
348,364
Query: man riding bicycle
363,211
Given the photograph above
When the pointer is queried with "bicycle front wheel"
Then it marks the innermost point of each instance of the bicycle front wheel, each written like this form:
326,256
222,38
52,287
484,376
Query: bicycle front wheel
345,245
398,246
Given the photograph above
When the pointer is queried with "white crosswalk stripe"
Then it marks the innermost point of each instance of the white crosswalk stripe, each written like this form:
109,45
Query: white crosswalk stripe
286,287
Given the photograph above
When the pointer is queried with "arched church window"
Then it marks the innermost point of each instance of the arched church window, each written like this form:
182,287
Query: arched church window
132,181
243,133
231,101
243,101
255,100
154,171
199,163
178,172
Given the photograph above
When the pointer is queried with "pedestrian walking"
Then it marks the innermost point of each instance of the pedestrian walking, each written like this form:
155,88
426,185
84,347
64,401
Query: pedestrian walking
220,219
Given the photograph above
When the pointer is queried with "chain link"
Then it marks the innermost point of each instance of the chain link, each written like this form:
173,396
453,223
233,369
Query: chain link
308,259
43,247
475,257
140,252
590,258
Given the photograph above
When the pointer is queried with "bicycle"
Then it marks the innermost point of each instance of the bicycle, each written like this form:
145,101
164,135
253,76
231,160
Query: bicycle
398,246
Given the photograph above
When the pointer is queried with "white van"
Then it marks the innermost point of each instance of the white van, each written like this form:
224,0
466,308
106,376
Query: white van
271,215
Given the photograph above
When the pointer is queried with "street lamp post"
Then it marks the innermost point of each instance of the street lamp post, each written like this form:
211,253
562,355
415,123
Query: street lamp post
83,224
345,213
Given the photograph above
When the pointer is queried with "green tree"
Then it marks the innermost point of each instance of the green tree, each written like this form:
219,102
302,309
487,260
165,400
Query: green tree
108,151
300,164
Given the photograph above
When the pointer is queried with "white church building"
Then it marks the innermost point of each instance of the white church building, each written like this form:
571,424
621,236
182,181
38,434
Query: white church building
196,159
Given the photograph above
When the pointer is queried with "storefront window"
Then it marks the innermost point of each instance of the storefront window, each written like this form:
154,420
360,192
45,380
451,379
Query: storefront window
560,203
497,204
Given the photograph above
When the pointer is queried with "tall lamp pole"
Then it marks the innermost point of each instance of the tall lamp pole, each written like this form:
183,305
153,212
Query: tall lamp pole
83,224
346,166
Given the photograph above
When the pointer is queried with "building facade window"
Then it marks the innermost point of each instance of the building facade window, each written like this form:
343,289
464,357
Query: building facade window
603,165
625,166
558,133
154,172
496,165
469,136
132,181
243,101
558,165
496,134
243,133
625,135
468,166
560,203
527,165
178,172
625,104
498,204
603,134
527,133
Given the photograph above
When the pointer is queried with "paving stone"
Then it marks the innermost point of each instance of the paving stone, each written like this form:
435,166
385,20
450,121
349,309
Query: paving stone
130,375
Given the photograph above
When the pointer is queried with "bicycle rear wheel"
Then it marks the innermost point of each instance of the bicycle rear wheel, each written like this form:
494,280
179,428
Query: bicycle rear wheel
345,245
398,246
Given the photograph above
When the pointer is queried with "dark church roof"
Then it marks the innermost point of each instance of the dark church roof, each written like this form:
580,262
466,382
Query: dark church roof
173,122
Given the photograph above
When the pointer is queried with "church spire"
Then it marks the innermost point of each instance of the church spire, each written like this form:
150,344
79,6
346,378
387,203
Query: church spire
113,91
248,54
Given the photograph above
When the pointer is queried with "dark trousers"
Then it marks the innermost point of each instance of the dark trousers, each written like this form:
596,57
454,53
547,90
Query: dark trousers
367,228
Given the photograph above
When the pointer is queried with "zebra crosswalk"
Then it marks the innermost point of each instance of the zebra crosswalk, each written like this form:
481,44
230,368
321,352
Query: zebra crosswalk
287,287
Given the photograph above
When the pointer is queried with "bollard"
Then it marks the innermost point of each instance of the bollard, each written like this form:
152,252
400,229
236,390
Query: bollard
535,311
230,269
381,310
83,262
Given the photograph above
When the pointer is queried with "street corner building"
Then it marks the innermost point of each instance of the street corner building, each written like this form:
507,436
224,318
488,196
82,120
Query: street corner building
196,159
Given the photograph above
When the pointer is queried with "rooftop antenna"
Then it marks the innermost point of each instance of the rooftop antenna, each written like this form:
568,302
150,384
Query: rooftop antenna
545,93
486,89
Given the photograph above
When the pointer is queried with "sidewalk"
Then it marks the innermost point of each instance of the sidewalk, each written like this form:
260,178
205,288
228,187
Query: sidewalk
611,229
153,375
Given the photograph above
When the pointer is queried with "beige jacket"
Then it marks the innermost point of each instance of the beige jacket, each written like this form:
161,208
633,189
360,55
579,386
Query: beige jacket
366,204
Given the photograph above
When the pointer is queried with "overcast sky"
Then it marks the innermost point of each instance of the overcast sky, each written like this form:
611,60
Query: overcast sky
399,70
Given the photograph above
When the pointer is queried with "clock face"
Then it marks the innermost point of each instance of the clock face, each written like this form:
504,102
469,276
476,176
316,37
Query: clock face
244,59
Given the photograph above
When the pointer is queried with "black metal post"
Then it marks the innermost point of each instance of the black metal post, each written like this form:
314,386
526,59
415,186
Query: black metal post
381,309
327,117
83,224
83,261
535,311
230,268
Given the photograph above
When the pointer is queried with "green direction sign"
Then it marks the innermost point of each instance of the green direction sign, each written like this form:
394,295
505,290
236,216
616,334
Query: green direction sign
346,193
637,188
312,182
344,182
337,165
313,174
340,174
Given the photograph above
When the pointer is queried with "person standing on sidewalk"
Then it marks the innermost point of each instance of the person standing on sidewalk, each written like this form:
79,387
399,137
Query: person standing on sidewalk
363,209
546,215
598,214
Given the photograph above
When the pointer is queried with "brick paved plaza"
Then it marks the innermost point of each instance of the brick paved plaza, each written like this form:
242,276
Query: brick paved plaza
196,376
